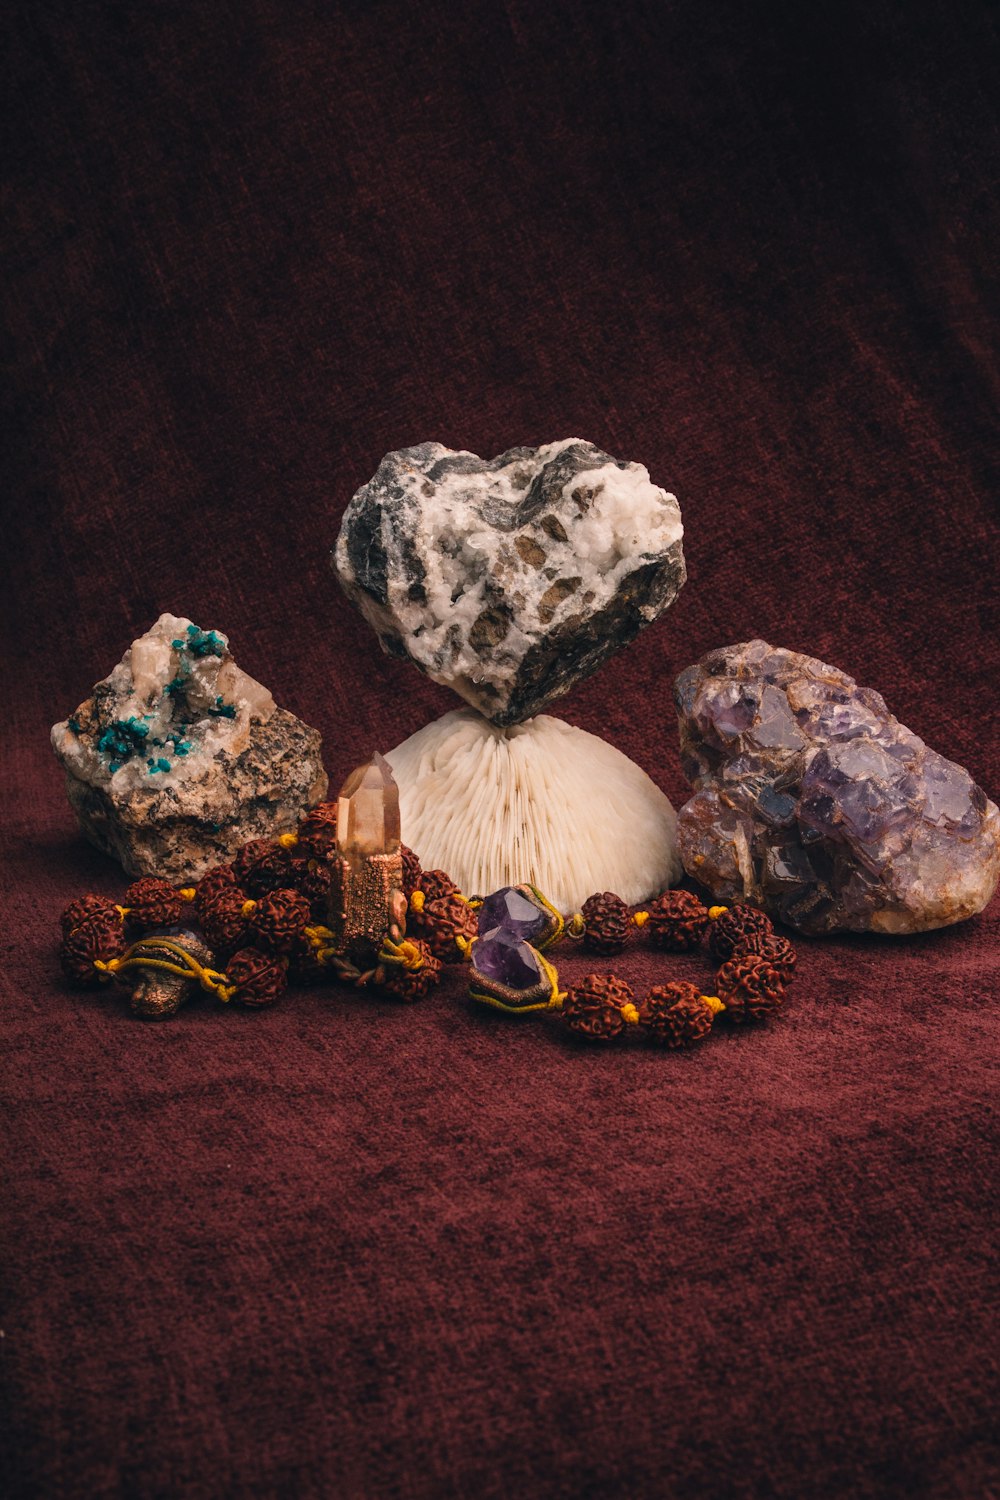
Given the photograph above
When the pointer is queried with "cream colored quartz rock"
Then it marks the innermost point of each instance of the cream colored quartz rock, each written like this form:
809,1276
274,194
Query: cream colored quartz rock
539,801
178,757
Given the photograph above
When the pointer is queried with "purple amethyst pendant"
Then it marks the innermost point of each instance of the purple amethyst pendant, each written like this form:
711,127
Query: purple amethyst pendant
523,912
508,971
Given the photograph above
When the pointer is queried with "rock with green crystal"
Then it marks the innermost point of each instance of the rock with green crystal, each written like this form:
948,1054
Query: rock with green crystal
179,757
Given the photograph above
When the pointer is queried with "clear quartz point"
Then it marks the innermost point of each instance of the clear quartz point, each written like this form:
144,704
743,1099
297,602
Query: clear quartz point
368,811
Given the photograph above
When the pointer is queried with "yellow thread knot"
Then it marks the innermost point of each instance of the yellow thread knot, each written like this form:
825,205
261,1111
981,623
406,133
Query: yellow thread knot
631,1013
111,967
464,943
318,938
405,953
187,893
123,911
247,908
288,840
713,1002
417,901
640,918
716,911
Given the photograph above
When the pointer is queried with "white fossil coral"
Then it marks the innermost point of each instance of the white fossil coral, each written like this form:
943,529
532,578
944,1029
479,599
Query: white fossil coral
539,801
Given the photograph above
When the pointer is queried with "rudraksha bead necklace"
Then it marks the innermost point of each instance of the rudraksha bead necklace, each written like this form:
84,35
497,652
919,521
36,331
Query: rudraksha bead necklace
250,927
510,970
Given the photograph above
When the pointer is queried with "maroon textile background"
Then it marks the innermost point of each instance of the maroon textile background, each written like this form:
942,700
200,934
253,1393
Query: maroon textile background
349,1249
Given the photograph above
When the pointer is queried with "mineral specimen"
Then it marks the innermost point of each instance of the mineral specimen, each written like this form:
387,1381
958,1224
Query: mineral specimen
366,894
518,912
814,803
541,802
179,757
508,973
510,579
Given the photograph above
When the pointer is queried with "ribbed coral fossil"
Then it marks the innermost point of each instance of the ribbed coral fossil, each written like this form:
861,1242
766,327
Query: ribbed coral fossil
542,802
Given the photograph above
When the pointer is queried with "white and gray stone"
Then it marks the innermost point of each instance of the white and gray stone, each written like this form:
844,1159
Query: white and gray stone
510,579
179,757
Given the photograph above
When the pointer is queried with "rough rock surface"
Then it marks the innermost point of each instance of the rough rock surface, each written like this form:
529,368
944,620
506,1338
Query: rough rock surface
178,757
813,802
510,579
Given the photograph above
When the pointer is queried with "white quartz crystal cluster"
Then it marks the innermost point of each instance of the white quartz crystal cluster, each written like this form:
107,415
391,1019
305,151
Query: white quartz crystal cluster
178,756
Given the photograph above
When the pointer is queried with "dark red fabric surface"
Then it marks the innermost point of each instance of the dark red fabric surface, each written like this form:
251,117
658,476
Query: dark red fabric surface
345,1248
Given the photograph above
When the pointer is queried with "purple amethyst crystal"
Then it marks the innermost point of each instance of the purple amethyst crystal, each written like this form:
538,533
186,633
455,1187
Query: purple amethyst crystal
510,910
814,803
504,958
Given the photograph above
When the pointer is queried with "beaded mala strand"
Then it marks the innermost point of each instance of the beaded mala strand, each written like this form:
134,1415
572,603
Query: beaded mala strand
262,915
756,966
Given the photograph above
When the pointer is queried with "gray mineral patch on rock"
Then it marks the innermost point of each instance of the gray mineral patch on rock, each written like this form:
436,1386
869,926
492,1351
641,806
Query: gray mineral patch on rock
815,803
179,757
510,579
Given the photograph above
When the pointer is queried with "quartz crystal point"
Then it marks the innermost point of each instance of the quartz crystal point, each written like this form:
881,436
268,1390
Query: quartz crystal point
368,810
510,579
814,803
364,901
178,757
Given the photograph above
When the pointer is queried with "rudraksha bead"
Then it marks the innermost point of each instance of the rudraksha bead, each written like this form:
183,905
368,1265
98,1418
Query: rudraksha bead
83,907
749,988
261,866
318,832
99,936
675,1014
593,1008
606,921
412,984
732,925
221,878
153,903
259,977
313,879
442,922
303,965
676,921
279,919
435,884
411,870
777,950
223,921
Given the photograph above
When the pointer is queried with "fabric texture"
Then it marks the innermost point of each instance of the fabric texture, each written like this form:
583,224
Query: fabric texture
350,1248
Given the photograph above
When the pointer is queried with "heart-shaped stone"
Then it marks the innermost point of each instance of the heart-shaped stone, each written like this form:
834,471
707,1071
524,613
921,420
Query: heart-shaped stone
510,579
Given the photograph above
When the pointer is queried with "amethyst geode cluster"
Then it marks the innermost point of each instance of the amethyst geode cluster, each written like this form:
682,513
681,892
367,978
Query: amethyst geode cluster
814,803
